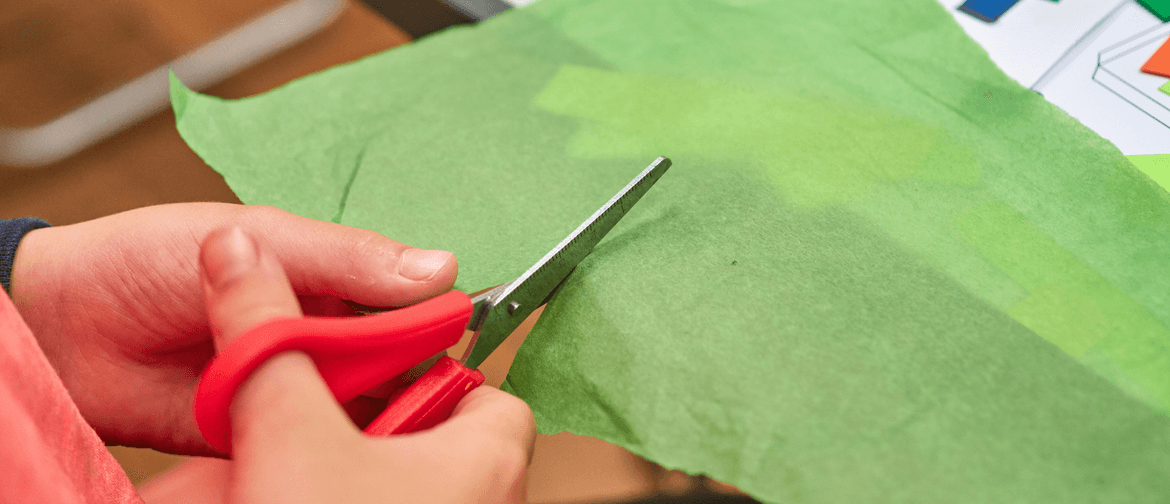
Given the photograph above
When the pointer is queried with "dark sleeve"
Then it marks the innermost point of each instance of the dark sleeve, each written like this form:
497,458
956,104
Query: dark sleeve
11,231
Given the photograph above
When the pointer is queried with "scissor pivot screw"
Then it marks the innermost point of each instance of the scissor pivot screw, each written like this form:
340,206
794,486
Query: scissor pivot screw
512,307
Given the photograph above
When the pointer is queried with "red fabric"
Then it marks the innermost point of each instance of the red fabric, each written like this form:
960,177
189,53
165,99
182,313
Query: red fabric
48,454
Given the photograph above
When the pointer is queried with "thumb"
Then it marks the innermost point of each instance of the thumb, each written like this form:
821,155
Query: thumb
284,404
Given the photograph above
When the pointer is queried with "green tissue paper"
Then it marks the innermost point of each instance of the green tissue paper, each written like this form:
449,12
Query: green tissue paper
879,271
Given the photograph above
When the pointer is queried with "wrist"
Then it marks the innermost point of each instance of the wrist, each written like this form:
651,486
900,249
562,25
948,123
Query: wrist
27,284
40,290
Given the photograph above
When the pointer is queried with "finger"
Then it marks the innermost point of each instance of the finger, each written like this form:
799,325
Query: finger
490,436
493,413
242,285
323,258
481,453
285,398
196,480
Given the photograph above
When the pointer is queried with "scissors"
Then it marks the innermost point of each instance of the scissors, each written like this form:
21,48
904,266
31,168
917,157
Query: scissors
356,354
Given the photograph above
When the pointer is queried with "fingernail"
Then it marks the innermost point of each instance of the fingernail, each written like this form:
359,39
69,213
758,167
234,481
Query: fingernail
421,265
230,254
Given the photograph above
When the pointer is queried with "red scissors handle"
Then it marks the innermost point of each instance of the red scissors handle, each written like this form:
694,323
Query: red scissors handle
353,354
428,401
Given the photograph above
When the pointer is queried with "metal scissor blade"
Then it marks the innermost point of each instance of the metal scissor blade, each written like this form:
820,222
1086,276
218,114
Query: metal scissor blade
504,309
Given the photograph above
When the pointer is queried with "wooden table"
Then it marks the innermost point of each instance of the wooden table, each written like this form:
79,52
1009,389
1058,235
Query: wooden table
147,164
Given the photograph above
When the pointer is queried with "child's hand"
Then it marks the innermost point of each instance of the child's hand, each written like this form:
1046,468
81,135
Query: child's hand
293,444
116,304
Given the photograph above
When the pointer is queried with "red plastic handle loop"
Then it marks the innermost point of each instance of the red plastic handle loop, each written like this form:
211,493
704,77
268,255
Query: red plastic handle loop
353,354
428,401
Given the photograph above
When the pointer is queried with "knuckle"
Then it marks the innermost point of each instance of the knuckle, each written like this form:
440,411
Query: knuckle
365,247
514,408
511,434
510,465
369,255
508,411
503,459
264,214
258,219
